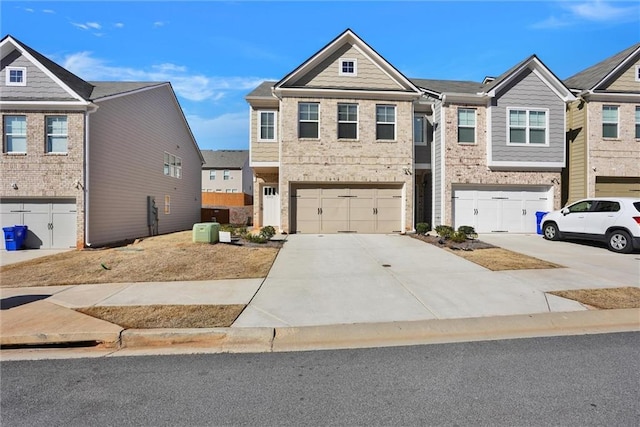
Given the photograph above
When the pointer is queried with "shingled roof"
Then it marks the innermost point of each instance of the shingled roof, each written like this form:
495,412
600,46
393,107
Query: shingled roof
224,159
590,78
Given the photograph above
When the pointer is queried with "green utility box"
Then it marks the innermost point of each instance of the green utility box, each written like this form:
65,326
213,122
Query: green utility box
206,232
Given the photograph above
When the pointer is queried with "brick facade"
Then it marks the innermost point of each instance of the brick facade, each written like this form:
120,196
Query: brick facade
42,175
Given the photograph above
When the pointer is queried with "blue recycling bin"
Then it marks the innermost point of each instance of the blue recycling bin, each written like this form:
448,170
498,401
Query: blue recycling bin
539,216
14,237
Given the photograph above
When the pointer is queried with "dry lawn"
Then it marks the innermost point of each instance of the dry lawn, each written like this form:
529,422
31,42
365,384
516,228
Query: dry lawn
498,259
167,316
171,257
611,298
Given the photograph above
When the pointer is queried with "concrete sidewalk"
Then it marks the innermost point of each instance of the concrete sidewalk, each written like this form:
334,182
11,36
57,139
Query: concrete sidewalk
337,291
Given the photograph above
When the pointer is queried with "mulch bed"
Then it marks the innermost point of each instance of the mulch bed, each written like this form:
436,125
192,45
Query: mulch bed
436,240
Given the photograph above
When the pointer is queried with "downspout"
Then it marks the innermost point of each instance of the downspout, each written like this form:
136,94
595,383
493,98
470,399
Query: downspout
92,109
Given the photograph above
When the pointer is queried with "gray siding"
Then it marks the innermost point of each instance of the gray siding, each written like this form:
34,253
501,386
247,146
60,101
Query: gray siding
128,138
436,165
39,85
528,91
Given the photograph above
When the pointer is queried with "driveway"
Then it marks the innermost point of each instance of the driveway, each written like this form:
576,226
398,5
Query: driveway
353,278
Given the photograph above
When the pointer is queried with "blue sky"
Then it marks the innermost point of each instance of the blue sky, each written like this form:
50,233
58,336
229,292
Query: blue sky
215,52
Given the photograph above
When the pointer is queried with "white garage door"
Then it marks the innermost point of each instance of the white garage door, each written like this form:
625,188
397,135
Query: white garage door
500,209
346,209
51,223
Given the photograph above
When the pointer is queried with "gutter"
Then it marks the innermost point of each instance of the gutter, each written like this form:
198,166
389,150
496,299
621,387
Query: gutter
92,109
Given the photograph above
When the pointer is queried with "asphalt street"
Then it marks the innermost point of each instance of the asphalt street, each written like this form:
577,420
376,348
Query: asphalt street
576,380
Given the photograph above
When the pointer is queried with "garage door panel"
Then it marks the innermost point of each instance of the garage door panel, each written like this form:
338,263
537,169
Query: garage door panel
617,186
52,223
39,235
511,212
63,230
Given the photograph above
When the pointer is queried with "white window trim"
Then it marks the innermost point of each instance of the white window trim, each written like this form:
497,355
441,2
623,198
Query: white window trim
212,175
637,120
47,135
8,81
172,168
226,175
5,144
309,121
528,128
617,122
475,126
395,120
275,126
638,73
355,67
347,121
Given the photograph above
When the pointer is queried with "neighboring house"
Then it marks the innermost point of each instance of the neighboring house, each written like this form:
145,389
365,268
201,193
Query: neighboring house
347,143
226,178
604,129
91,163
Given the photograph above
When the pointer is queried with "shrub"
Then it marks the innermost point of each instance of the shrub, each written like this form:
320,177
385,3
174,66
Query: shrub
267,232
458,237
444,231
467,230
422,227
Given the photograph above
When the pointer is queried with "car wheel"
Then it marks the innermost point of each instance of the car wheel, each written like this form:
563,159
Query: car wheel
619,241
550,231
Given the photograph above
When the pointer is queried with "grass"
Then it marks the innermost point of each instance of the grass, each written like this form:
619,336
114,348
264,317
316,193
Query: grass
498,259
167,316
609,298
166,258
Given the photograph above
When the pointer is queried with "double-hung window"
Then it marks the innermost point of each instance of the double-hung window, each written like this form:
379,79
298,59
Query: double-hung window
308,120
385,122
15,134
212,175
528,127
226,175
57,134
267,125
466,126
172,165
419,135
609,121
637,122
347,121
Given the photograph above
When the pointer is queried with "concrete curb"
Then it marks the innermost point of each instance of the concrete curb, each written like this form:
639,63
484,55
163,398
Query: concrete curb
366,335
455,330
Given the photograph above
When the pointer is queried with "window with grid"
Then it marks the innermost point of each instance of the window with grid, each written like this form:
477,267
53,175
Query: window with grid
172,165
212,175
16,76
528,127
466,125
57,134
348,67
308,119
225,175
15,134
347,121
637,122
609,121
267,125
385,122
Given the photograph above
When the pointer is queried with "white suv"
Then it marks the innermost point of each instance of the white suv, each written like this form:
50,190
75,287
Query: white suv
613,220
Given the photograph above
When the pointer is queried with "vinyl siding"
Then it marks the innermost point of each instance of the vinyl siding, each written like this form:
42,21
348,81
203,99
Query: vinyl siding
327,75
263,151
39,85
626,82
437,165
577,151
528,91
129,136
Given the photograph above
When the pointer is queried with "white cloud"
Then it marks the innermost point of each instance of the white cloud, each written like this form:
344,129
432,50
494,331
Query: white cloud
191,86
118,25
227,131
48,11
28,9
158,24
602,11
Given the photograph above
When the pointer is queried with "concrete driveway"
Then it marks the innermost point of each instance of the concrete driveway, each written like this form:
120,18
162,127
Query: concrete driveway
351,278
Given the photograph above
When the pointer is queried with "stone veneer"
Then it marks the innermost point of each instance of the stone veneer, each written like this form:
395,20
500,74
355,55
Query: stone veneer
42,175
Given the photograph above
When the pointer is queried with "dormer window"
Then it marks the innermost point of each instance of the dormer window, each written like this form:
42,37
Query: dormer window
348,67
16,76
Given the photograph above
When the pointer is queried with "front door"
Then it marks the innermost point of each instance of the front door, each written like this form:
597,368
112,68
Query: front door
270,206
